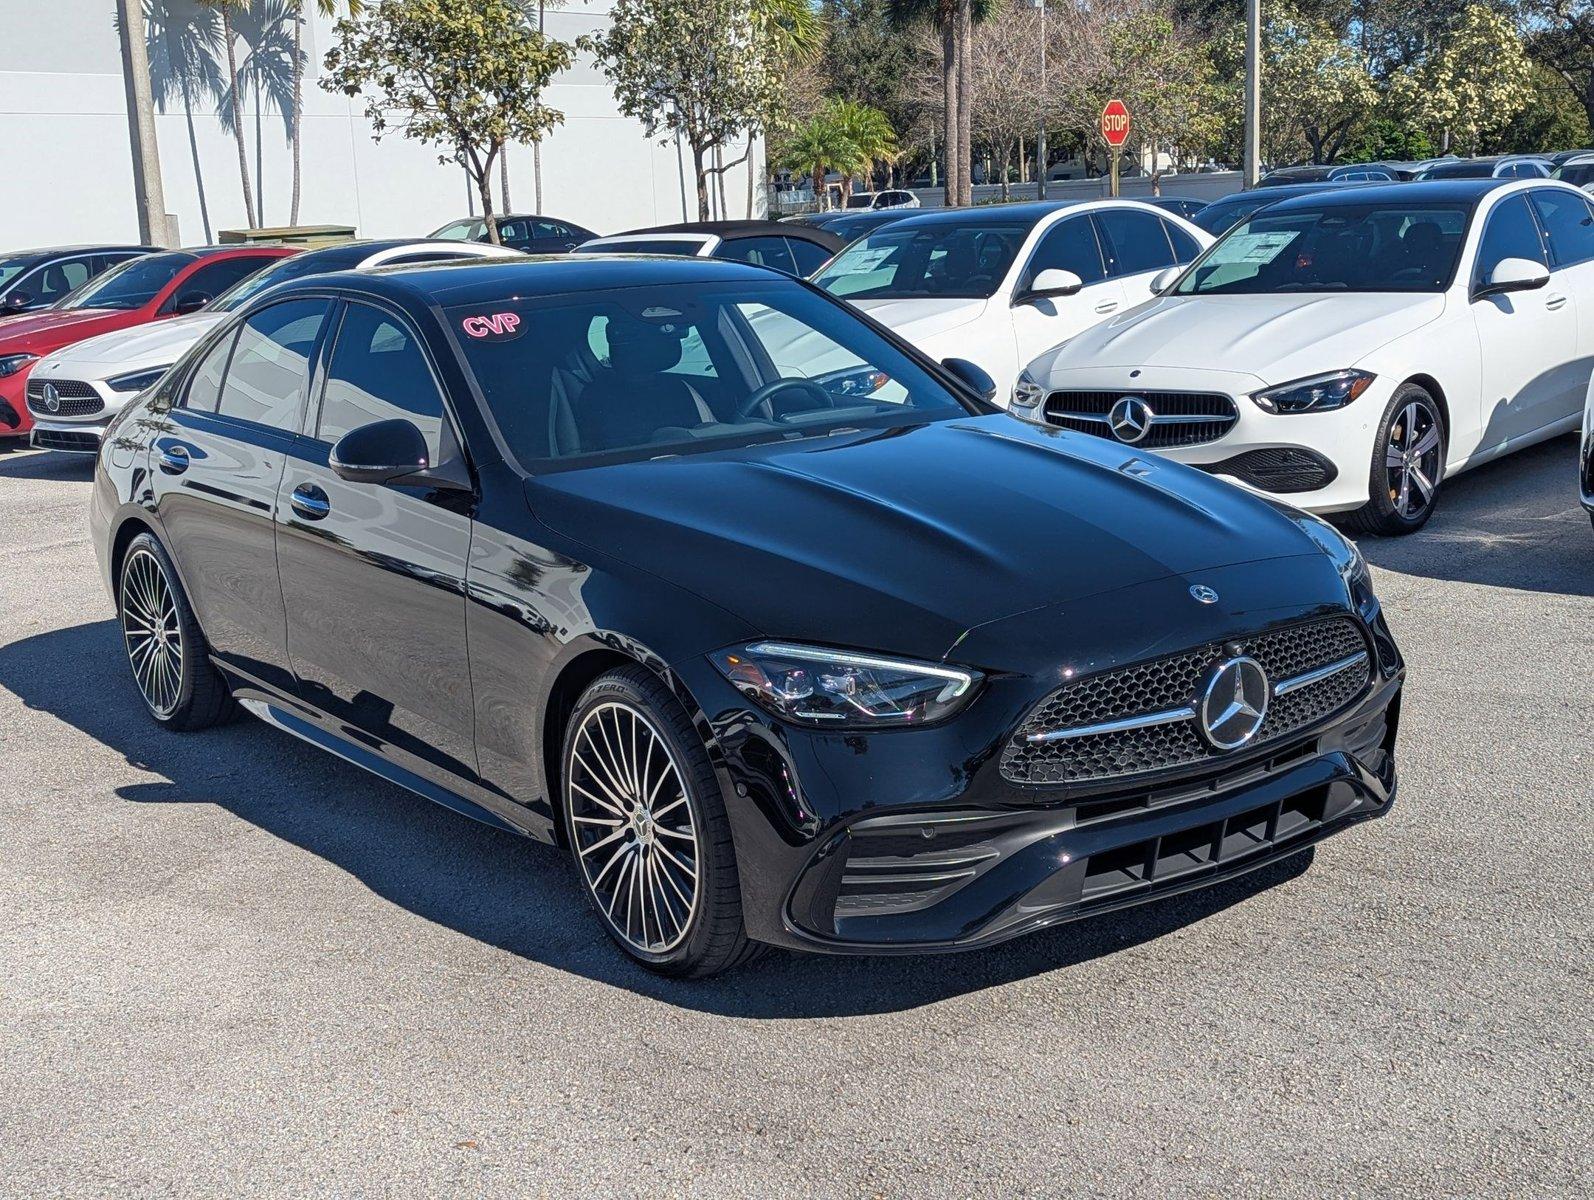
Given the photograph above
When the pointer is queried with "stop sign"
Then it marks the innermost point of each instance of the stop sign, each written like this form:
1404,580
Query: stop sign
1115,123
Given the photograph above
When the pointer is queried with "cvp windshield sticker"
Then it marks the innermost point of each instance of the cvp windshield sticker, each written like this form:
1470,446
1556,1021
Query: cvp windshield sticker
1259,248
497,326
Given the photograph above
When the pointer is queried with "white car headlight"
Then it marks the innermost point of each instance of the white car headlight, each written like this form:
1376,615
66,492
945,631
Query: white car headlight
12,363
840,689
1027,399
1316,393
136,381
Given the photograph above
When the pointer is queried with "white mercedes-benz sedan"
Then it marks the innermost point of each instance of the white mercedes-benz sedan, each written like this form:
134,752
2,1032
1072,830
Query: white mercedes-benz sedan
1349,350
74,393
998,285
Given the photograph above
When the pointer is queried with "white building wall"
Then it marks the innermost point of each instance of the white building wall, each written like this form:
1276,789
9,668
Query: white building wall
68,177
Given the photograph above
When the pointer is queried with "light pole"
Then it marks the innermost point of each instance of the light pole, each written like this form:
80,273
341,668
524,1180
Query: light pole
1253,92
1040,102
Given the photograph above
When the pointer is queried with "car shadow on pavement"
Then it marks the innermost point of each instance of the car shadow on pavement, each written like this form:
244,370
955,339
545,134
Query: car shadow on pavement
1512,523
503,890
24,463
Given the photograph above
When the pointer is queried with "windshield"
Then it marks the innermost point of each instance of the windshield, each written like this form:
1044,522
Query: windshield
1577,174
128,285
1215,218
1343,248
651,371
296,267
10,268
942,258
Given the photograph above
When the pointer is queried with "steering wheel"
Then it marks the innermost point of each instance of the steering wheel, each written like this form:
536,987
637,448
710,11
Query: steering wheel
760,395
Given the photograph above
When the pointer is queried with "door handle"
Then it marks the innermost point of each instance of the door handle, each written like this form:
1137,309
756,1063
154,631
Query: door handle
1107,306
173,458
310,502
1555,300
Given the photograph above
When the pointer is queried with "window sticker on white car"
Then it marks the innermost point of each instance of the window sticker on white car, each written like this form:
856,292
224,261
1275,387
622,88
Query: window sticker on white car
862,261
1258,248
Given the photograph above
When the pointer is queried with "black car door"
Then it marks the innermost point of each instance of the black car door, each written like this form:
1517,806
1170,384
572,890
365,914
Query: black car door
373,575
215,472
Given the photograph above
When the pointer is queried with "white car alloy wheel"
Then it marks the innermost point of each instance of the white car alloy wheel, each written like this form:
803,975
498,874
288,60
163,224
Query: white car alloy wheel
1413,456
152,631
632,827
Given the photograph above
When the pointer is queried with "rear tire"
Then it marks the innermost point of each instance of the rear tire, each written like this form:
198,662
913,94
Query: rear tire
1408,465
165,648
647,829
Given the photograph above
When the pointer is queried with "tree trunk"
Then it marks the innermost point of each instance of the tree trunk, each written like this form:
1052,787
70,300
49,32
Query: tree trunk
700,171
260,155
949,123
965,100
752,177
193,150
503,179
484,189
819,189
1007,157
297,132
238,119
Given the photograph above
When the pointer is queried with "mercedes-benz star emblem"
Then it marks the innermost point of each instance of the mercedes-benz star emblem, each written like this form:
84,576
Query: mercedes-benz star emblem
1130,419
1233,702
1203,593
52,398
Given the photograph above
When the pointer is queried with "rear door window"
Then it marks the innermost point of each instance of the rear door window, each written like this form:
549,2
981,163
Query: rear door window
1134,241
760,252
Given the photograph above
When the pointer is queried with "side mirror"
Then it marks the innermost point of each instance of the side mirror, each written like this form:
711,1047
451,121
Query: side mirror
19,302
191,302
381,452
973,376
1514,275
1164,279
1051,282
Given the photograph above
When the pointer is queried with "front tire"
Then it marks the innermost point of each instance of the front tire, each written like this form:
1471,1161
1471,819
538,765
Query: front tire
648,830
1408,465
165,648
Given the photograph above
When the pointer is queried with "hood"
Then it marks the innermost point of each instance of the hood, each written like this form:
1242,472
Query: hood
903,540
1275,338
917,320
41,332
143,347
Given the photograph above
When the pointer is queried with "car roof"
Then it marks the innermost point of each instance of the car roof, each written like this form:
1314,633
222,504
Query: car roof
731,230
62,251
1284,191
1466,191
484,280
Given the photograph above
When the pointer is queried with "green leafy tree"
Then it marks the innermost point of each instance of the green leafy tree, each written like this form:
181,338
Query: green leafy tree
953,21
1552,119
1560,34
843,136
1476,78
465,77
707,71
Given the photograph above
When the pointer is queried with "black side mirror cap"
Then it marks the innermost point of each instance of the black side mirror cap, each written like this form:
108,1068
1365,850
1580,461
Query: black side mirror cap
191,302
19,301
394,451
972,376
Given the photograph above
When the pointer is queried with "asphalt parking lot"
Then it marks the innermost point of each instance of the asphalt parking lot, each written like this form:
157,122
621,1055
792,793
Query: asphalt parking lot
231,964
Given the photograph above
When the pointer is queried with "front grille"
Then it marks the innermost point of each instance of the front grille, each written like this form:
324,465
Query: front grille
76,398
1168,685
72,441
1177,418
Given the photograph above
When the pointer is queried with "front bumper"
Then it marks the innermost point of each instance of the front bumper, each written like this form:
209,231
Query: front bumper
75,437
1319,462
915,843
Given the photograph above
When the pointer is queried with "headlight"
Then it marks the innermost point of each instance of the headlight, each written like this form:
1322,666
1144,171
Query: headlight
1319,393
838,689
1027,398
137,381
12,363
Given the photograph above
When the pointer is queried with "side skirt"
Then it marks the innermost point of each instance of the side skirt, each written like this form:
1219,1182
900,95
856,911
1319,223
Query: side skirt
349,752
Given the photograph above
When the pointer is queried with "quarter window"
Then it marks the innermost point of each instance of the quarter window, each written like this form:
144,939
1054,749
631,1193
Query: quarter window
270,370
379,373
1568,225
1185,248
204,385
1070,245
761,252
1510,233
1135,242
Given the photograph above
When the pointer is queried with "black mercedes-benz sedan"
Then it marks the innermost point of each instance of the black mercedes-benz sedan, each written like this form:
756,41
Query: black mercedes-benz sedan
781,629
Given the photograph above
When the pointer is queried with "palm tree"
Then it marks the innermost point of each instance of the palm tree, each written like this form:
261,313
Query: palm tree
227,8
184,39
796,30
868,131
954,20
813,148
265,77
327,8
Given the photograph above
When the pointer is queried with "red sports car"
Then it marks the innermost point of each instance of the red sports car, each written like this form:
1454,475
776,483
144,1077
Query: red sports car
139,290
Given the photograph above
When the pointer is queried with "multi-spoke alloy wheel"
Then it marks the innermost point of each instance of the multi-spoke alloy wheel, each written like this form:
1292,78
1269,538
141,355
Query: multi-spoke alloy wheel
152,630
633,827
1411,458
645,819
168,653
1408,464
